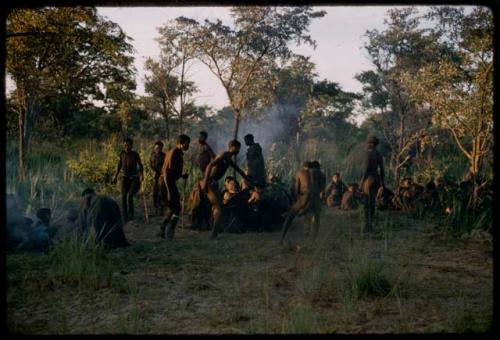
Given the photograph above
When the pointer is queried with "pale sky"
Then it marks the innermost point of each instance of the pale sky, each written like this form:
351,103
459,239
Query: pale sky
339,36
339,54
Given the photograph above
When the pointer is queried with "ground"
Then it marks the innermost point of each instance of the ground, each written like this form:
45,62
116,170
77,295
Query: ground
408,276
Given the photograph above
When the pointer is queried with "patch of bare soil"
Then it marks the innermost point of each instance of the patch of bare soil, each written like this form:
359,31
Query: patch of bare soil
247,283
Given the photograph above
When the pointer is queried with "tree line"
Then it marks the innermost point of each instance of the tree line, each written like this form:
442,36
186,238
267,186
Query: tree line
429,90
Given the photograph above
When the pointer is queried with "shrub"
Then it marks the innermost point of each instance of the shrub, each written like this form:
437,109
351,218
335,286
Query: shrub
81,262
368,278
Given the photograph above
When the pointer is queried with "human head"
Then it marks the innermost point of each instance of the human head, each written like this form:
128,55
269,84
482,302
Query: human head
305,165
72,215
158,146
88,191
43,215
407,182
183,142
128,143
336,177
315,165
203,137
234,147
372,141
249,139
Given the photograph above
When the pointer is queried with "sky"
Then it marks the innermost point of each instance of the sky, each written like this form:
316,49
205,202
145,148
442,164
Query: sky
339,54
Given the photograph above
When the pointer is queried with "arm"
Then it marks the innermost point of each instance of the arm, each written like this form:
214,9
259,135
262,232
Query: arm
118,168
241,172
297,186
381,164
152,163
328,189
139,163
208,170
211,152
367,161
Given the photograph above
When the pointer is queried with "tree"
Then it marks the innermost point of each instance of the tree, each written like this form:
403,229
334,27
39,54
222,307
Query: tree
459,90
243,56
168,78
294,86
403,47
70,52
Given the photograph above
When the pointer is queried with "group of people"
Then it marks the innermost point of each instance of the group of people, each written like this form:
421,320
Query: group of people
254,203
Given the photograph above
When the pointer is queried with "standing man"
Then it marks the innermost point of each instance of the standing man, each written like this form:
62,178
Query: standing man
372,180
255,161
213,173
133,173
206,154
171,171
306,190
156,163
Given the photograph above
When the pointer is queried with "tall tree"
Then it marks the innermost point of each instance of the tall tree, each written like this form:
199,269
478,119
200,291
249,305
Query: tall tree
63,51
242,56
403,47
459,90
168,77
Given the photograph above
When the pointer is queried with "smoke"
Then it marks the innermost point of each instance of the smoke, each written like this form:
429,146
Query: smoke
276,124
14,214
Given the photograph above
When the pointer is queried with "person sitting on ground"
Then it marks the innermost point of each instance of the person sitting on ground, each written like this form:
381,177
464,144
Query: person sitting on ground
231,188
103,214
383,200
400,197
352,197
334,191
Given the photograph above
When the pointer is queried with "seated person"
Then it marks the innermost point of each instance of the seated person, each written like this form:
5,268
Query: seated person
334,191
351,198
383,200
400,197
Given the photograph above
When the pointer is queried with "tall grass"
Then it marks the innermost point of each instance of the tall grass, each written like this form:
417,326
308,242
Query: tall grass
81,262
367,278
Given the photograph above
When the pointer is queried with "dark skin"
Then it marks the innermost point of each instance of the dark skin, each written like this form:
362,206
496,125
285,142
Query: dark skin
373,162
303,182
218,167
215,171
184,148
304,186
206,153
371,181
128,148
171,172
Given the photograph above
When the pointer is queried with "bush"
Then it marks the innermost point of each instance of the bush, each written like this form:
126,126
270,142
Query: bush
368,278
81,262
96,165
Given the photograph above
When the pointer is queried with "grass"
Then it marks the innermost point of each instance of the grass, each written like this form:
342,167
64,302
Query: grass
395,280
82,263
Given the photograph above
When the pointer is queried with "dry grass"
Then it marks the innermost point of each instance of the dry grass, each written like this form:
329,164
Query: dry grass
246,283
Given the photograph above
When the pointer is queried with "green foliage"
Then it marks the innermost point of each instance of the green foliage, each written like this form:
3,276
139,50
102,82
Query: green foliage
463,218
95,164
81,262
368,278
244,56
47,183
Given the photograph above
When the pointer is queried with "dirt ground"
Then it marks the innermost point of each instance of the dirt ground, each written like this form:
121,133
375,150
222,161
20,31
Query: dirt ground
247,283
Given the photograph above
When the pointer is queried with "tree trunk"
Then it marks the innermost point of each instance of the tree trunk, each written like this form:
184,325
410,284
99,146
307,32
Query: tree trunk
475,165
165,116
22,145
237,118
